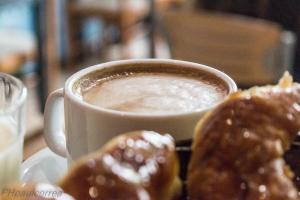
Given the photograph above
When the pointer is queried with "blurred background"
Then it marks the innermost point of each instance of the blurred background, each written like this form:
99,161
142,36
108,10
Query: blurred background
43,42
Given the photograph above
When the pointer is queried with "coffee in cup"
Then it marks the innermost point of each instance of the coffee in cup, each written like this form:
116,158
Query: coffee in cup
152,89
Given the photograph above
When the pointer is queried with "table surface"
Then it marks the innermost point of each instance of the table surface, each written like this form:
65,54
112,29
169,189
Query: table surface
33,145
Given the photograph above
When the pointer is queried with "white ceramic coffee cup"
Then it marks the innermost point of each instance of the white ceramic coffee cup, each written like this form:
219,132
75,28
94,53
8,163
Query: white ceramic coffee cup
88,127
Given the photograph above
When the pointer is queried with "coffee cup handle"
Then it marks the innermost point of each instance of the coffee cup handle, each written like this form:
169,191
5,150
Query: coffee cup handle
54,123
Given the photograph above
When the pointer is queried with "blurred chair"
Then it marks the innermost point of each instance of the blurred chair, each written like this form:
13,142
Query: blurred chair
120,13
250,50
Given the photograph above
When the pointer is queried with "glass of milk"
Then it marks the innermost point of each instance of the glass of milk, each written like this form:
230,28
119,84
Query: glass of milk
12,128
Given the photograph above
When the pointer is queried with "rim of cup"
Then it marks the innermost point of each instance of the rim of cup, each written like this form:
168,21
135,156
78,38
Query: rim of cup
68,89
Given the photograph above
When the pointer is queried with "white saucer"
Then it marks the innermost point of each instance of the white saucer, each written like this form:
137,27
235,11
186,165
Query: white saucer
44,167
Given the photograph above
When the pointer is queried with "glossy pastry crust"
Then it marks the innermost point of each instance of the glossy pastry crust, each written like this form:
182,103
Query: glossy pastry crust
238,147
141,165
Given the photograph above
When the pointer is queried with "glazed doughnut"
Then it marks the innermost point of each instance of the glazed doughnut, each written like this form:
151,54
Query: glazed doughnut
140,165
238,147
30,191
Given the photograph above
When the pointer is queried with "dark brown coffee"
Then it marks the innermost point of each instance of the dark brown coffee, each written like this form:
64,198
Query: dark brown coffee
154,90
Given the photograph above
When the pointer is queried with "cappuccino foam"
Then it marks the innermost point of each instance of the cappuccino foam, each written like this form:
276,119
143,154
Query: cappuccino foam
154,93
